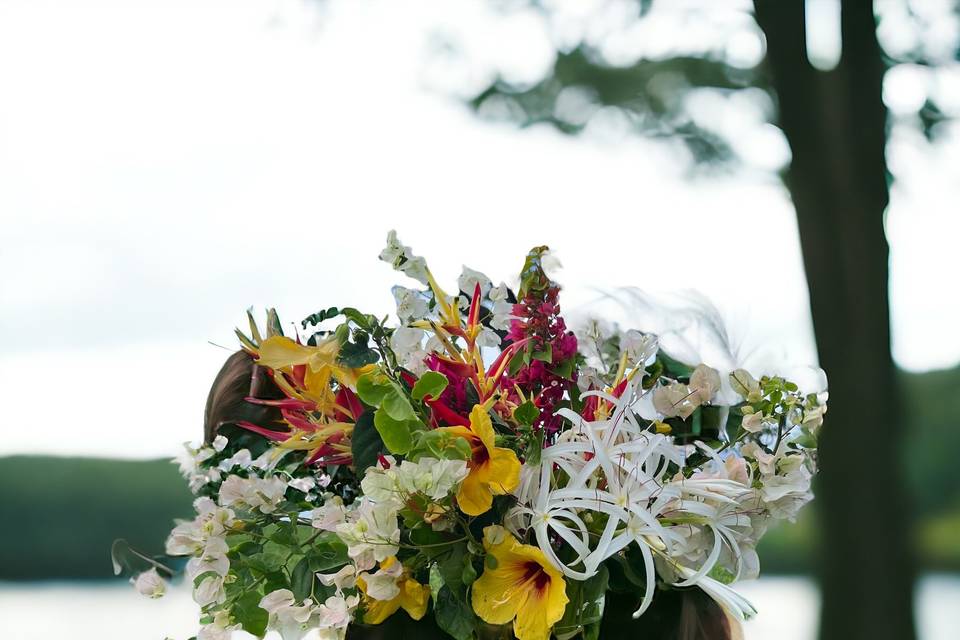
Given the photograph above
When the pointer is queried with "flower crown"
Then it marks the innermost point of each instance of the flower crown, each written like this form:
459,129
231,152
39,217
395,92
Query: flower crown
482,464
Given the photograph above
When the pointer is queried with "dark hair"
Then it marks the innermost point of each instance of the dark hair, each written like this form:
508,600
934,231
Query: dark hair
238,379
677,614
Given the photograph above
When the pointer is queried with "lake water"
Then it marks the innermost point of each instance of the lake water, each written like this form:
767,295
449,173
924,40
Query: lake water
108,611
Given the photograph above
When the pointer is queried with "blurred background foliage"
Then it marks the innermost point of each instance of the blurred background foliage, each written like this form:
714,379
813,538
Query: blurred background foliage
69,510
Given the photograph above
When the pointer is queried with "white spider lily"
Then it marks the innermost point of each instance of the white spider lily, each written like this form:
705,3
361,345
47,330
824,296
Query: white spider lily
728,599
617,468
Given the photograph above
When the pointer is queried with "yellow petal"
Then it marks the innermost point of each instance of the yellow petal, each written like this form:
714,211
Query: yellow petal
523,587
459,431
413,598
482,426
497,596
279,352
543,609
379,610
504,471
474,496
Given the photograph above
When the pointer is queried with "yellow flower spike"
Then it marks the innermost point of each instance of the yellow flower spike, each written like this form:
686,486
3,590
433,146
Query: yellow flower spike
449,312
413,598
493,470
523,587
279,353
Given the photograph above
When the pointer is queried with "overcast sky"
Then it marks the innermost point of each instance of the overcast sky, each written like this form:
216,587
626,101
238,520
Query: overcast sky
165,165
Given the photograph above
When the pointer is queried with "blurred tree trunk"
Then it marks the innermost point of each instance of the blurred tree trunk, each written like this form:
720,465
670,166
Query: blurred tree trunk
836,125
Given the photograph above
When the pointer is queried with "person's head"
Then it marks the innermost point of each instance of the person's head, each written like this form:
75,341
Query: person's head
238,379
676,614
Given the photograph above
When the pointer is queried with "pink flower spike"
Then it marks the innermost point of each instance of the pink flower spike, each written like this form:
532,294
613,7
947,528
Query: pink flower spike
283,403
276,436
473,319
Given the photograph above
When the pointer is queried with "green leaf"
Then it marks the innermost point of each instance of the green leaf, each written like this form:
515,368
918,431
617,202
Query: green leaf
327,553
439,444
526,414
807,439
545,354
451,566
565,369
319,316
355,355
453,615
362,320
366,443
674,368
436,581
516,362
722,574
248,613
396,404
372,387
301,580
397,435
585,603
430,384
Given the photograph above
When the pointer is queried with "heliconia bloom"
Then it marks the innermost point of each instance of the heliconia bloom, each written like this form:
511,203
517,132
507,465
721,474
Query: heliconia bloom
523,587
493,470
406,593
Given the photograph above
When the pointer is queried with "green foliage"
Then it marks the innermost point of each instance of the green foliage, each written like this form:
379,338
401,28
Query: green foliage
585,606
395,418
430,385
366,443
449,579
439,444
526,414
454,615
248,613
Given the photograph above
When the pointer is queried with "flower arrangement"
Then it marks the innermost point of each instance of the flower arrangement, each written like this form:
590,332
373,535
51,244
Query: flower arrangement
481,467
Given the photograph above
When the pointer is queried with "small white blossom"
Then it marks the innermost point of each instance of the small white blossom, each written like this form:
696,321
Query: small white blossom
411,305
372,533
488,338
345,578
407,345
705,382
219,629
334,615
304,485
638,346
209,591
502,309
291,620
150,584
330,514
469,279
382,585
745,385
675,399
241,458
220,443
263,494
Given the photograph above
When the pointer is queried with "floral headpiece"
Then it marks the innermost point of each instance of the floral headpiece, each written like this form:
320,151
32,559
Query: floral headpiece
483,465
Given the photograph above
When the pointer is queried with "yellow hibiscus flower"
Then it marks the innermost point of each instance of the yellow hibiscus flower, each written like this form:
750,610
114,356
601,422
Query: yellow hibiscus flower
523,587
413,597
493,470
